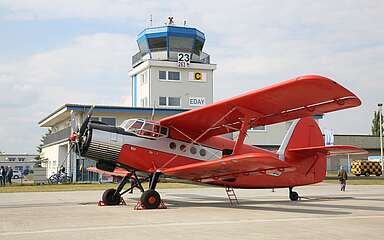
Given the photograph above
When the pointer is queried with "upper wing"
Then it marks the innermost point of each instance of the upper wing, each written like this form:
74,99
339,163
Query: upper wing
229,166
296,98
329,150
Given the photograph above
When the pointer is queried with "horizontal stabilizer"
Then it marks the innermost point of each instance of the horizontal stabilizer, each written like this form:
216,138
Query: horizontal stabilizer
328,150
228,166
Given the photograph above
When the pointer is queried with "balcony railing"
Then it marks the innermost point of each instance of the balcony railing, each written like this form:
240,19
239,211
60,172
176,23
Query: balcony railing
172,56
57,136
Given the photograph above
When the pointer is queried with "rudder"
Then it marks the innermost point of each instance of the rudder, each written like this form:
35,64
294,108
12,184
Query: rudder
304,132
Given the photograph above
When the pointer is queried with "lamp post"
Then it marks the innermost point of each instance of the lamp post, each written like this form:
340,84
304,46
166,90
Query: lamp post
380,105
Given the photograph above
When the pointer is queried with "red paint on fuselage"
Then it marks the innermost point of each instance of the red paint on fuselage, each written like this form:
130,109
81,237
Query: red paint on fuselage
308,169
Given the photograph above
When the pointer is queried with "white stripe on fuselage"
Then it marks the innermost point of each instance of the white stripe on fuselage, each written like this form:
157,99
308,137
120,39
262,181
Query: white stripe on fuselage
161,144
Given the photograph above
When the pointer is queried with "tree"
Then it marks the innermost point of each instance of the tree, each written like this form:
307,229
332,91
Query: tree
39,158
375,127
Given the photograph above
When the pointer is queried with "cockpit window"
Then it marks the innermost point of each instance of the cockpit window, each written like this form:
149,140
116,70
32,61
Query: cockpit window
145,128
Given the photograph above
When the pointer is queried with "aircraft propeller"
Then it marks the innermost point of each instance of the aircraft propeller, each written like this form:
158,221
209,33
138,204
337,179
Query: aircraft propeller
84,125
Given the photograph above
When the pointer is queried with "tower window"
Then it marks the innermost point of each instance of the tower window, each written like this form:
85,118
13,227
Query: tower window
157,43
170,101
163,75
163,101
174,101
173,75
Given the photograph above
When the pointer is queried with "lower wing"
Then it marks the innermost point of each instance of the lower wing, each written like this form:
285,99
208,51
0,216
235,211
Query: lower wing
230,166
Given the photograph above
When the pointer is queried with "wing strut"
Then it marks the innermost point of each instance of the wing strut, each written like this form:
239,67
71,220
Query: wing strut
243,133
198,138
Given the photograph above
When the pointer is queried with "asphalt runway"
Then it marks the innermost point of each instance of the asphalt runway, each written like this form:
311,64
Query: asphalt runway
198,213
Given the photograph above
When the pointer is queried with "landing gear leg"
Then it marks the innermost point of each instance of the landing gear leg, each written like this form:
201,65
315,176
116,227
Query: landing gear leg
113,196
150,198
294,196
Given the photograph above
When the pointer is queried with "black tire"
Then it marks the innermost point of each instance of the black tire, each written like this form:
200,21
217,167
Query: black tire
66,180
110,198
366,174
53,179
150,199
294,196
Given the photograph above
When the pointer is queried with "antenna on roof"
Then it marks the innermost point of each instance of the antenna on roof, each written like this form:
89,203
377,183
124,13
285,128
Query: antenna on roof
185,22
171,21
150,20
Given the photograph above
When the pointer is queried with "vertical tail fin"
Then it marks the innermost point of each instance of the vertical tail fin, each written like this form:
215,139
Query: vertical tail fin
303,132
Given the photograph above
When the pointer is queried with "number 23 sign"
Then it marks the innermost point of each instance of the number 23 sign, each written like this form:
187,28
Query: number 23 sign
183,59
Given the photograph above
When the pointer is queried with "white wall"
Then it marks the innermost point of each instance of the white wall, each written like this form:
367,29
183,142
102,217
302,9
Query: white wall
273,135
55,155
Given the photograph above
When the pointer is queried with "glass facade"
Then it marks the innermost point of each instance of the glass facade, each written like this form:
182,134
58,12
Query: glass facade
157,43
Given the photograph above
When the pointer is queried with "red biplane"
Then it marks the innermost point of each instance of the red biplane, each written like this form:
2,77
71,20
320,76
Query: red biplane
189,145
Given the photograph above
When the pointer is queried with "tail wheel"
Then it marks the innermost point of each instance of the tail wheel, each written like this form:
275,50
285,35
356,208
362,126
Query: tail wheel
111,197
294,196
150,199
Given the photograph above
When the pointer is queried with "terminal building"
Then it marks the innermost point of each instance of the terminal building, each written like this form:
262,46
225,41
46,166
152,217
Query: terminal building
18,161
169,74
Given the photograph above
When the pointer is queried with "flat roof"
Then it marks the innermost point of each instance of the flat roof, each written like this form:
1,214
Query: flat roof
59,113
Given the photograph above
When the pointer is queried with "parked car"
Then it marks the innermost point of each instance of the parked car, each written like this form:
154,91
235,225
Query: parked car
17,174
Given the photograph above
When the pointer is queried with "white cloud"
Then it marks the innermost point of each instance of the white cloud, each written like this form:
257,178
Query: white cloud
91,69
84,9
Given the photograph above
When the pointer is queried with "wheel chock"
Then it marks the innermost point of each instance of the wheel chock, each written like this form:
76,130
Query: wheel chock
140,206
101,203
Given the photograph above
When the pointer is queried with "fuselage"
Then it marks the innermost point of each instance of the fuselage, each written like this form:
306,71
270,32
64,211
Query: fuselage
144,153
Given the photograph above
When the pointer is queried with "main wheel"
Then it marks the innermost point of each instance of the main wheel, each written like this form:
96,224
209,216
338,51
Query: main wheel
366,174
110,197
150,199
294,196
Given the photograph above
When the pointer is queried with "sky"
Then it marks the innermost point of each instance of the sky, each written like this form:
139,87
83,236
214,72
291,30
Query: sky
54,52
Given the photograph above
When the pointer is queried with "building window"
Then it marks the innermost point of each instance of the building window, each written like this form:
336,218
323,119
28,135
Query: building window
173,75
109,121
174,101
163,101
157,43
20,168
163,75
259,128
21,159
170,101
143,79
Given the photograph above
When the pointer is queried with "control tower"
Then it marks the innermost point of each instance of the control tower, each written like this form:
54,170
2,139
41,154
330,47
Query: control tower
171,69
